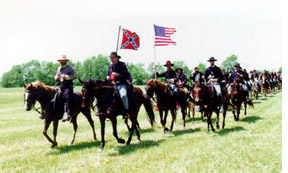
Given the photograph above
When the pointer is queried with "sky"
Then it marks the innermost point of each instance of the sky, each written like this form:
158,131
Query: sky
44,30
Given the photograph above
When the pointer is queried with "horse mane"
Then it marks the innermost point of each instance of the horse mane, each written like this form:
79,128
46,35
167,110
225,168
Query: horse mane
41,85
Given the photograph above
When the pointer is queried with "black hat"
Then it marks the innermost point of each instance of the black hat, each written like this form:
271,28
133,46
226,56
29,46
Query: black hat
168,63
238,65
212,59
179,69
114,54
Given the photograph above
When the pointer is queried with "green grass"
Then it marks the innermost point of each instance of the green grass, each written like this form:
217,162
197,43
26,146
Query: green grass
251,145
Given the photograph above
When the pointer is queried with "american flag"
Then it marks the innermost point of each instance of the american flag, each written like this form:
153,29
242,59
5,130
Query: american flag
162,36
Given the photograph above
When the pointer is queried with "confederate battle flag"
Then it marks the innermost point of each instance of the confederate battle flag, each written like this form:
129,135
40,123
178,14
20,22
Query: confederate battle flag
130,40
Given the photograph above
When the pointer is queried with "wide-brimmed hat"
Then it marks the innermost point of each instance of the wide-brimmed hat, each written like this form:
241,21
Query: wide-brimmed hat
238,65
114,54
179,68
63,58
211,59
168,63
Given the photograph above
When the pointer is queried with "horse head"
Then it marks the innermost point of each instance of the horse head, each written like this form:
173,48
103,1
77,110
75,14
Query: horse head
151,87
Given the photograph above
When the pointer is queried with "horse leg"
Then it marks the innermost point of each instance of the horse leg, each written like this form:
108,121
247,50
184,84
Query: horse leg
211,121
164,121
137,132
208,121
75,127
183,117
202,116
173,112
131,133
115,133
126,122
87,114
217,119
245,107
233,111
238,112
46,126
55,128
102,121
224,116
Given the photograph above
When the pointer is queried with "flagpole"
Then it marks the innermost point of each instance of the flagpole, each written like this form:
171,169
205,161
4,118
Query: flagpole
155,71
118,38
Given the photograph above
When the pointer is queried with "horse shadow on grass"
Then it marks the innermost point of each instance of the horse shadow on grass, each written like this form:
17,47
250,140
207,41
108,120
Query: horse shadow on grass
189,120
126,149
251,119
226,131
185,131
78,146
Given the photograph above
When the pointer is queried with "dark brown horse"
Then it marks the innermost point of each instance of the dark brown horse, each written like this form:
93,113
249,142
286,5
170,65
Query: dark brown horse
237,97
166,101
204,97
53,112
109,105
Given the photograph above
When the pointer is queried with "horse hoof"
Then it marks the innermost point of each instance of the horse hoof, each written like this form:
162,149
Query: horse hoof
72,142
207,131
166,129
121,141
213,130
54,145
217,126
128,143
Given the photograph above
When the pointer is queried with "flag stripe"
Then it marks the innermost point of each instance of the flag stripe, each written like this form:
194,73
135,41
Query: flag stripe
162,36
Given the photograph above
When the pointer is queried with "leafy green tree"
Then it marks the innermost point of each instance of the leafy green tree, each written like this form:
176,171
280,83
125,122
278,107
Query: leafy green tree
181,64
138,73
229,63
13,78
280,69
201,67
151,73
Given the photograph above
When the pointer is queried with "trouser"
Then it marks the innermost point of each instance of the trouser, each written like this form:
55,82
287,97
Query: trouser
174,89
67,95
123,95
218,92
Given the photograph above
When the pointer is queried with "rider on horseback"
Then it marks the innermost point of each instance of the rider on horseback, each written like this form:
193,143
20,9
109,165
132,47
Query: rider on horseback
119,74
214,76
64,76
181,78
239,76
170,77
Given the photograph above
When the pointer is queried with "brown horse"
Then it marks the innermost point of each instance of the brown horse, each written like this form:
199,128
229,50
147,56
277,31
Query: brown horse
37,91
109,105
237,97
166,101
264,85
204,97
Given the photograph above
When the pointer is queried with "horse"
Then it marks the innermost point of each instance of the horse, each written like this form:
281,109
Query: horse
255,89
53,110
166,101
237,97
192,106
264,85
203,96
109,105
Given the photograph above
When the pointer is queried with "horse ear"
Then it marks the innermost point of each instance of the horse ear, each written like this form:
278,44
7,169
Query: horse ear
146,80
23,84
80,81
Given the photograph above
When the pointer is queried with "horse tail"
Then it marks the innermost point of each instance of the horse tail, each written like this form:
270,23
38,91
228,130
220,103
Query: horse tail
250,103
149,109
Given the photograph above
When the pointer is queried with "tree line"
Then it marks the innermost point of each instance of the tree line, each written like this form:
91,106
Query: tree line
93,67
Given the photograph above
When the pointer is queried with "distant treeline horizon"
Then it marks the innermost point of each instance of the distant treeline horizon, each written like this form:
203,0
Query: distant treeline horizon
94,67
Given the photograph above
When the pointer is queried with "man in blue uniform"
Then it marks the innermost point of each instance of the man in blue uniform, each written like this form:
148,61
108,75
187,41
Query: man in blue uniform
239,76
170,77
214,76
181,78
64,77
119,73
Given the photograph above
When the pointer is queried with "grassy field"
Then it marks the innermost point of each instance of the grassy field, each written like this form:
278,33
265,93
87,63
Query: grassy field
251,145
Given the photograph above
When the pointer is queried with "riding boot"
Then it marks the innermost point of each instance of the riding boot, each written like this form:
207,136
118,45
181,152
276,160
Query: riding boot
66,115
